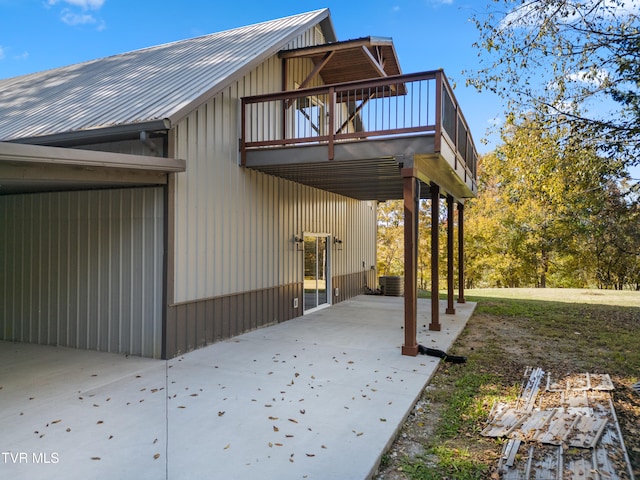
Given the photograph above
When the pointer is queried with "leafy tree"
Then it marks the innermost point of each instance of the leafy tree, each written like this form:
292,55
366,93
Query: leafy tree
615,239
390,238
541,197
573,62
391,241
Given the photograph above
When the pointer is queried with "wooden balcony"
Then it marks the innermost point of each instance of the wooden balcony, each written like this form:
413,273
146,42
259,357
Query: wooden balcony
360,139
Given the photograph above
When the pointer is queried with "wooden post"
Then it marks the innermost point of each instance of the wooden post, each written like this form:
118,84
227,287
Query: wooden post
410,346
435,249
450,213
461,253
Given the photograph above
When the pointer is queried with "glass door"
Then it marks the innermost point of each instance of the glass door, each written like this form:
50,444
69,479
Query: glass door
316,271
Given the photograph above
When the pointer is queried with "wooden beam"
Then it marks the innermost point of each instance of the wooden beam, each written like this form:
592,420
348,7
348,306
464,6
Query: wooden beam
316,70
335,47
450,214
410,194
373,61
435,250
461,253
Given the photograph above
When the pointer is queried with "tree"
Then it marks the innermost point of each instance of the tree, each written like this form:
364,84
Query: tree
390,238
541,200
573,62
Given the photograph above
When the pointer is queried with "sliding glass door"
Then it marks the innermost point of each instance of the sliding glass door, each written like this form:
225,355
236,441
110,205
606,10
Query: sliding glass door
316,271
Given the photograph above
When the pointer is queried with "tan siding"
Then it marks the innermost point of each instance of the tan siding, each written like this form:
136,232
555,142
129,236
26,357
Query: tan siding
235,227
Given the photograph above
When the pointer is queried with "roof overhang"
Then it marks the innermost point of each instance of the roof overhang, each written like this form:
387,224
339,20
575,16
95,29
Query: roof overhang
34,168
350,60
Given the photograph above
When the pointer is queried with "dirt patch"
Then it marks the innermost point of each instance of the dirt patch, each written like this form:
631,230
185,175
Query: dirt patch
563,339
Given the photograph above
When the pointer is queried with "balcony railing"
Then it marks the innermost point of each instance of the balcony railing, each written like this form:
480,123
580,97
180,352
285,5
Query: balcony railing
421,103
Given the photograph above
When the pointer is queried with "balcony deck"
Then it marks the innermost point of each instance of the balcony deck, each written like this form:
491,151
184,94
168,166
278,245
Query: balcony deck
360,139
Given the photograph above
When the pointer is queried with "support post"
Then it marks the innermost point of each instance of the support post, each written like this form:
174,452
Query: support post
435,249
410,195
461,253
450,213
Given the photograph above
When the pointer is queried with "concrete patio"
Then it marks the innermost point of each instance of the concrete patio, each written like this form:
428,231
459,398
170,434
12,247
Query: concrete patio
317,397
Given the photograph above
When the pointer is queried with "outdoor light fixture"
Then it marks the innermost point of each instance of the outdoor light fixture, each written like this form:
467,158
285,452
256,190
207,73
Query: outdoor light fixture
337,243
299,242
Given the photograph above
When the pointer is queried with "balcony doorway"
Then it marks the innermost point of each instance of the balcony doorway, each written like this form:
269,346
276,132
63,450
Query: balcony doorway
316,271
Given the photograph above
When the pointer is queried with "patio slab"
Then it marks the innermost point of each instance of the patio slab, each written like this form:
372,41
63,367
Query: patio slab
319,397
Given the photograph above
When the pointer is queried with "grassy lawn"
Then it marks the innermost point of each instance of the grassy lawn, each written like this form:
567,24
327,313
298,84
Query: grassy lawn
563,331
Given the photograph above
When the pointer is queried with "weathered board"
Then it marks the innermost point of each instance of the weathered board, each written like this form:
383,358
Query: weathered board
567,430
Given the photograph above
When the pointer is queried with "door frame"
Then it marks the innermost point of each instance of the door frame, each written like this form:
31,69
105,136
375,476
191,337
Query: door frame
328,237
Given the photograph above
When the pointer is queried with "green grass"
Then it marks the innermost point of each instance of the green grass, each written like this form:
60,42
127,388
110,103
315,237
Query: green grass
571,329
466,404
618,298
601,333
452,464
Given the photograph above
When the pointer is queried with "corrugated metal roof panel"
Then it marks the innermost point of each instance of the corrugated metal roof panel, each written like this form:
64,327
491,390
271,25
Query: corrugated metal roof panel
165,81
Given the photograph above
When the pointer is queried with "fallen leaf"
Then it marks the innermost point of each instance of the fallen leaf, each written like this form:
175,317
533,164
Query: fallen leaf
273,418
181,406
68,429
56,421
293,420
156,456
95,458
383,419
221,413
311,454
99,422
227,446
276,429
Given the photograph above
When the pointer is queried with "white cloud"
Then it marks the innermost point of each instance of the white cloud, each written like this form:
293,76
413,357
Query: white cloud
596,78
496,121
84,4
531,14
77,12
71,18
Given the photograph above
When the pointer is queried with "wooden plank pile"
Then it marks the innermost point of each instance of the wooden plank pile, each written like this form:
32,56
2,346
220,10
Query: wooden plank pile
560,429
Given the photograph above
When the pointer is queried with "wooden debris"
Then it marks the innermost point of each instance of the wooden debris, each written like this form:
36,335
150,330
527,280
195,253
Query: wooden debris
567,430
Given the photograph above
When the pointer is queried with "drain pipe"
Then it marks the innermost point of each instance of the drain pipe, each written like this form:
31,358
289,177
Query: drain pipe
146,141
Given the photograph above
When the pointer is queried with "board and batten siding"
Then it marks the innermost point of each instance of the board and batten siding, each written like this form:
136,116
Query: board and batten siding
236,266
83,269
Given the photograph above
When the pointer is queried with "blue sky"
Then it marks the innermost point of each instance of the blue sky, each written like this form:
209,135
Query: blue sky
37,35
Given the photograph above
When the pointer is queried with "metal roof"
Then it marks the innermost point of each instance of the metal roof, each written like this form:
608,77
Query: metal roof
156,85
